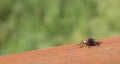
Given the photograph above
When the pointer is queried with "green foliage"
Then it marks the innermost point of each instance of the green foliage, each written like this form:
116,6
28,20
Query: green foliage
35,24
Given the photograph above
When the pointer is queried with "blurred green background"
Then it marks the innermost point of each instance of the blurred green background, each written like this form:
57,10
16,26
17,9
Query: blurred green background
27,25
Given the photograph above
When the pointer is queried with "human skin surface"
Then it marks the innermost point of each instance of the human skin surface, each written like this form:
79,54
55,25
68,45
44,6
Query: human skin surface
106,53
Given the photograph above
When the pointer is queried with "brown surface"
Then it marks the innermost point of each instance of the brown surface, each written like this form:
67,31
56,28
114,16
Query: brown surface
107,53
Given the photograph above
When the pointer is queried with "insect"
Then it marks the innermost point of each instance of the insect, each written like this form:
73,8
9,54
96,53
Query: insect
89,42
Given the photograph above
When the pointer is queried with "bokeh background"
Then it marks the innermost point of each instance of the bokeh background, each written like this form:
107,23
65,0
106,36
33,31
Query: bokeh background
27,25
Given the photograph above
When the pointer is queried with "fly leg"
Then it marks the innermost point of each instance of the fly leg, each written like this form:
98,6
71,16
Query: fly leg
81,44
